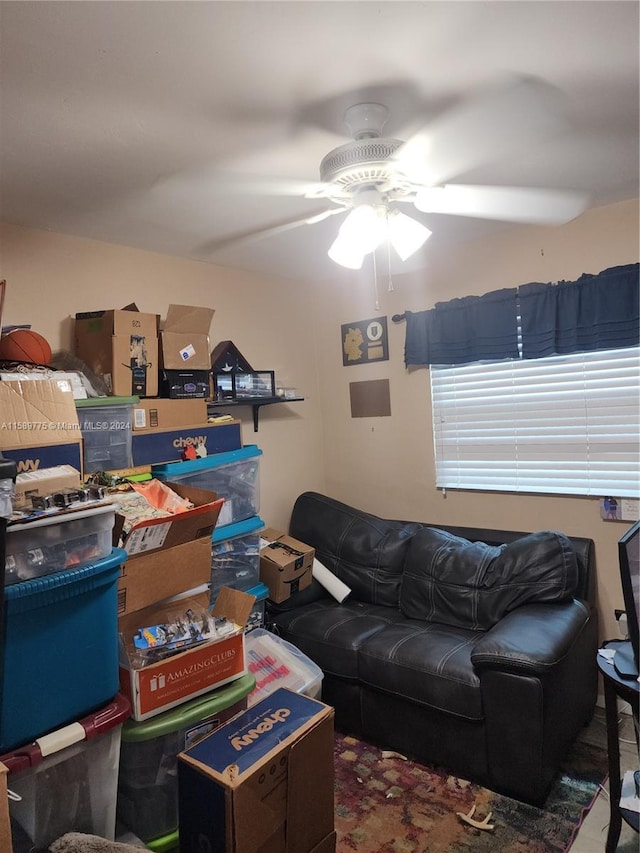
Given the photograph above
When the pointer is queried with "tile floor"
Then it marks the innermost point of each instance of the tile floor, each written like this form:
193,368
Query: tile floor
593,833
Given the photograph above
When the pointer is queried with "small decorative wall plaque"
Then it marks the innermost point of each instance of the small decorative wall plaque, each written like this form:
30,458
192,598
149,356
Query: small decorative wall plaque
364,341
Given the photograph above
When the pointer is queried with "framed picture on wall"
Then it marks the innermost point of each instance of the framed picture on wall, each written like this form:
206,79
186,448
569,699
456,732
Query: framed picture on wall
365,341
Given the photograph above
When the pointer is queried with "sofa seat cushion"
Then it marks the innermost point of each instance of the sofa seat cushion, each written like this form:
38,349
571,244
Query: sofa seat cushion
331,634
450,580
425,663
364,551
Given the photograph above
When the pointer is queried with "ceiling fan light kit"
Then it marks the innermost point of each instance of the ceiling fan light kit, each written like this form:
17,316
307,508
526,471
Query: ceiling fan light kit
370,174
369,177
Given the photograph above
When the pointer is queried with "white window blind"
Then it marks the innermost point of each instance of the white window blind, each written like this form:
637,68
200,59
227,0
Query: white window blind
558,425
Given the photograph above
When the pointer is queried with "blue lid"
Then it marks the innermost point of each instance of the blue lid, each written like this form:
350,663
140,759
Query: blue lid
240,528
216,460
260,591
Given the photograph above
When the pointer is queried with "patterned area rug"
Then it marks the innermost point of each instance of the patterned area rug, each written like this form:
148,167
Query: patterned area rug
390,805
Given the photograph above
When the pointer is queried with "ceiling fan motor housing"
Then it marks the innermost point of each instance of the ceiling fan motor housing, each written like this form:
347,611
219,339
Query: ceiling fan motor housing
361,163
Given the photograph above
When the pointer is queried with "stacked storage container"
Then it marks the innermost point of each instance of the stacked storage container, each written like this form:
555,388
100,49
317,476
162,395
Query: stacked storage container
106,428
61,715
148,788
235,555
67,780
235,476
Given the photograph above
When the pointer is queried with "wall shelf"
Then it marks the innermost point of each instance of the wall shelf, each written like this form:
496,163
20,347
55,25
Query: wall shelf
254,402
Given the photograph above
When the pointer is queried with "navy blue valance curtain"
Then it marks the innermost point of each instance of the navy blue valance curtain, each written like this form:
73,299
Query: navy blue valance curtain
593,313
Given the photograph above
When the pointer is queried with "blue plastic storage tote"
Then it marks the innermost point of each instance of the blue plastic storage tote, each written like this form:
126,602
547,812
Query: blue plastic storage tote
235,476
235,555
61,649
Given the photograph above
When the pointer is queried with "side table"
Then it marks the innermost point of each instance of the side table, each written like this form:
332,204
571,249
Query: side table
628,690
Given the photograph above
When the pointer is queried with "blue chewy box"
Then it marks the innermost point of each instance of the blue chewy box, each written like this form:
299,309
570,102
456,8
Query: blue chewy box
61,649
263,780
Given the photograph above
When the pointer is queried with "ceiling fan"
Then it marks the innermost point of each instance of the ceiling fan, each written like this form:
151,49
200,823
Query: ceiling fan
372,176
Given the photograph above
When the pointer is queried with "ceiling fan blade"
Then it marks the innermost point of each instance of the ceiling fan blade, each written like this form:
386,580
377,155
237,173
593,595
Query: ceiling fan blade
212,182
482,130
261,233
510,204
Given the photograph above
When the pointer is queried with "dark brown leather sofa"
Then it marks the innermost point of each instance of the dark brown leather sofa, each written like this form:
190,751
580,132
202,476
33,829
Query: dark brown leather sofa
467,648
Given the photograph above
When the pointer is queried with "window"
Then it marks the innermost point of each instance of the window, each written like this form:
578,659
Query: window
559,425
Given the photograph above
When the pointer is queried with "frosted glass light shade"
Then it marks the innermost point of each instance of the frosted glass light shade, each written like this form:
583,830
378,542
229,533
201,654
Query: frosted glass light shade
343,252
364,227
406,234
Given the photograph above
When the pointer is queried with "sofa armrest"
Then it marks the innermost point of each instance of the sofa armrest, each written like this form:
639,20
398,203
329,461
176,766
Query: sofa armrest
531,639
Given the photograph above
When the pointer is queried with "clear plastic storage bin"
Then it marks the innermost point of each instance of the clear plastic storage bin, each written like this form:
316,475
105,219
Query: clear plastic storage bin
60,649
235,555
67,780
56,542
276,663
235,476
147,784
106,433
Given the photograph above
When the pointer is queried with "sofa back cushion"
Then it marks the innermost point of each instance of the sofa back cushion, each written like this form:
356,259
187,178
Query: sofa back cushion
453,581
364,551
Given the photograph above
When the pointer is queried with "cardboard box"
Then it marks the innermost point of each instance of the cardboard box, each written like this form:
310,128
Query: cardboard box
285,564
170,682
185,338
263,782
39,425
167,556
160,414
44,481
185,359
152,447
153,577
121,347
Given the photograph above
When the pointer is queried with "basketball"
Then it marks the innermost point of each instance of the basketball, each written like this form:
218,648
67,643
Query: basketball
25,346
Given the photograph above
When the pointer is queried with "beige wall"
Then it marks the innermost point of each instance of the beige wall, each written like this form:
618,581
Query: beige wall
50,277
384,465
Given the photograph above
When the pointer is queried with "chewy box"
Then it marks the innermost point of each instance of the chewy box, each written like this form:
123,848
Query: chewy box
39,425
286,564
147,784
161,686
67,780
156,446
61,649
63,540
235,555
235,476
263,781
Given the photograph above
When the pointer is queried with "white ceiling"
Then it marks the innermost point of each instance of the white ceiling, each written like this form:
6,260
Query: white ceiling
132,122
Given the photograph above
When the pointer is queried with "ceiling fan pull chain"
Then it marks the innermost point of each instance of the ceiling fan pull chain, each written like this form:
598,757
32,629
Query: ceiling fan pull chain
390,280
375,279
